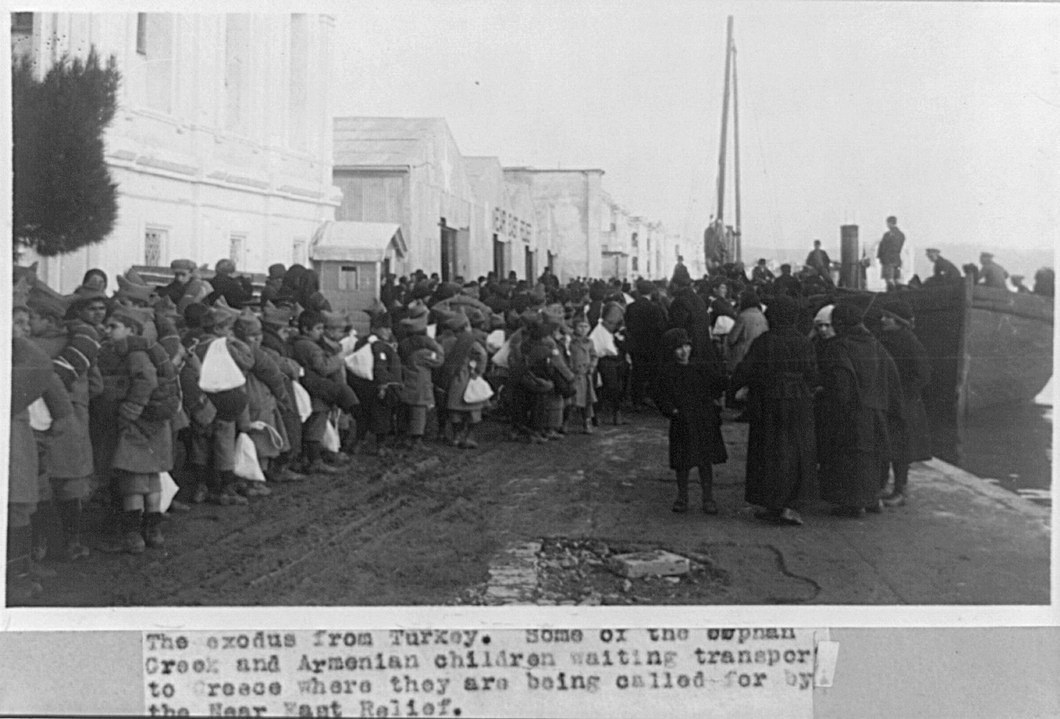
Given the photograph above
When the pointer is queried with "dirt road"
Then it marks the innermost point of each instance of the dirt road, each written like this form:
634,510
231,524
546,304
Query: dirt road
520,523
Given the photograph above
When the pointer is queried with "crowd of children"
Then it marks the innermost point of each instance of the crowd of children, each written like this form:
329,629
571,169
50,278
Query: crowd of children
206,390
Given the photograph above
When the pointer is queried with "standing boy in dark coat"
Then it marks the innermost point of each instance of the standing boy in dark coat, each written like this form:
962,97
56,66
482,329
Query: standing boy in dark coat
911,437
685,392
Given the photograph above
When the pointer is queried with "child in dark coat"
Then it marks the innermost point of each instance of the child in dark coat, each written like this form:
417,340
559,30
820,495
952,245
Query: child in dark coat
685,393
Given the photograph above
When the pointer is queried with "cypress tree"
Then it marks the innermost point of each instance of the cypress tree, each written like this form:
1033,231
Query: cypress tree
63,194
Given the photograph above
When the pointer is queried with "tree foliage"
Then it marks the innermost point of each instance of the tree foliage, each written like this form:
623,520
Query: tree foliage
63,194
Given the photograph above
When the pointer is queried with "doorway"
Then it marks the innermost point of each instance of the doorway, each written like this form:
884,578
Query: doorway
530,269
448,243
498,258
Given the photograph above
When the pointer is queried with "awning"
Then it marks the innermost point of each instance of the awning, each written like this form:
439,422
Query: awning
357,241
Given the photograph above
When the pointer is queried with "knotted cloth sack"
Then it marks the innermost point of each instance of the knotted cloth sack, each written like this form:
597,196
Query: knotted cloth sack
219,371
478,390
362,362
246,464
302,401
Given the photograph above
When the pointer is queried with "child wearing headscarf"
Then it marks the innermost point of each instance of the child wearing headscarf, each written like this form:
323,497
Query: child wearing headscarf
685,393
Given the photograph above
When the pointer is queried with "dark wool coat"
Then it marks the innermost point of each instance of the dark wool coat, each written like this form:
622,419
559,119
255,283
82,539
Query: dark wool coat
645,323
419,356
911,438
685,394
460,351
325,372
32,377
780,371
130,442
266,393
860,394
69,447
689,312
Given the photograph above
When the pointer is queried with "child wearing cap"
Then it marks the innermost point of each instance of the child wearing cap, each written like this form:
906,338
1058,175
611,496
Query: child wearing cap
32,379
325,381
138,448
378,395
583,361
419,356
465,359
213,439
67,448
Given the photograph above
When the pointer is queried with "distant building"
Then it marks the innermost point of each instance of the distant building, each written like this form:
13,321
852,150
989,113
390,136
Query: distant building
221,146
568,207
504,213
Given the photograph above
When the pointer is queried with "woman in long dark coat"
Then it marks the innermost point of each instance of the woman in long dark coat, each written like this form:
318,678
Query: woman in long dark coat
910,438
859,395
780,370
685,392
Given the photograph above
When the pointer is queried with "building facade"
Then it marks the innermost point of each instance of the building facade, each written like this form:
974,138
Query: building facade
568,206
409,171
221,146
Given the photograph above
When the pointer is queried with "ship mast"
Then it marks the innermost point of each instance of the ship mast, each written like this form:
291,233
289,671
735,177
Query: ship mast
724,128
736,240
731,241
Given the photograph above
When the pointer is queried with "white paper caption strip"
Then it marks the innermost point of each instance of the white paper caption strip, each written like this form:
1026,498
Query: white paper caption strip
545,672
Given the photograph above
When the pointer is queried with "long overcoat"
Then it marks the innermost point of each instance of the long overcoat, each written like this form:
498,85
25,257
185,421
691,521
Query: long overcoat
457,370
860,394
419,356
583,364
69,453
911,437
685,394
133,444
780,371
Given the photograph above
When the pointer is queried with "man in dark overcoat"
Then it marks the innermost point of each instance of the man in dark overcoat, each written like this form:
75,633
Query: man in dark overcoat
910,437
688,311
645,324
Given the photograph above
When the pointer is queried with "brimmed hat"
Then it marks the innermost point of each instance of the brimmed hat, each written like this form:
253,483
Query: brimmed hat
276,316
186,265
248,323
455,321
137,292
222,315
414,325
277,271
335,320
46,303
933,249
645,287
128,316
985,256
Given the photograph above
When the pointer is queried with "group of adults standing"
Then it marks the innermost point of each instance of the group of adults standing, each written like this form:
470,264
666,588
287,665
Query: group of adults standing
833,413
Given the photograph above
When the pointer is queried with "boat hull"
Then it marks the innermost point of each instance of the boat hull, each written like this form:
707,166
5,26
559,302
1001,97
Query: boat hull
987,348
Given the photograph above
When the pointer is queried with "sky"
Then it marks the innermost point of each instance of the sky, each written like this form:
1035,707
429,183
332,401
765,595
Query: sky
946,115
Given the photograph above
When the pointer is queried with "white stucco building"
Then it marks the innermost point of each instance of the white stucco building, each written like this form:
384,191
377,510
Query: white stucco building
221,146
